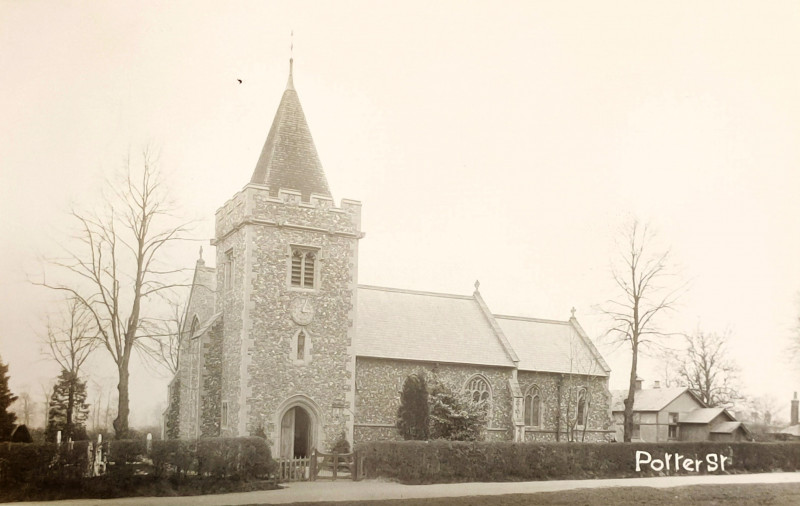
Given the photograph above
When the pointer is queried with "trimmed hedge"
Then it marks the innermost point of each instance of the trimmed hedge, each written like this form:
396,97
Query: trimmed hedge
220,457
40,463
242,458
453,462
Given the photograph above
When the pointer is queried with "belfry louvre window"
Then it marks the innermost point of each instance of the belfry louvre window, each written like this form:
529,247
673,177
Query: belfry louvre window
304,265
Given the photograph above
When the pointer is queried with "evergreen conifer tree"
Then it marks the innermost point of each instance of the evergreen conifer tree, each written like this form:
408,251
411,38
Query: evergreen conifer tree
68,408
412,415
7,418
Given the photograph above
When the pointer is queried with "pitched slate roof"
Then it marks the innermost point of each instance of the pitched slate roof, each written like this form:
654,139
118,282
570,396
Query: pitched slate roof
728,427
431,327
702,415
289,158
552,346
651,399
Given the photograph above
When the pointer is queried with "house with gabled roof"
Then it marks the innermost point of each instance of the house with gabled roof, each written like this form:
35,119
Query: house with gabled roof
282,340
675,414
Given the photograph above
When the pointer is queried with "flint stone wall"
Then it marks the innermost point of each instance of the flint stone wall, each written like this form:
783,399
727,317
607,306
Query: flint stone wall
379,383
599,418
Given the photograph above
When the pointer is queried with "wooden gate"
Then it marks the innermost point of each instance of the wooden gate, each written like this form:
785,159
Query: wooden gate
336,465
297,469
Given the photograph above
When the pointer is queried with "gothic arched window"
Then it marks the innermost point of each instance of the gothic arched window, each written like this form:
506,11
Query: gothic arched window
533,407
478,389
300,352
582,406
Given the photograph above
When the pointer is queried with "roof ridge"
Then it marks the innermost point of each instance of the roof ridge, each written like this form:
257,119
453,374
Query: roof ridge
530,319
415,292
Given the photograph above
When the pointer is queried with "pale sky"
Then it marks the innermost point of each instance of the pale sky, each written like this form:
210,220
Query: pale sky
499,141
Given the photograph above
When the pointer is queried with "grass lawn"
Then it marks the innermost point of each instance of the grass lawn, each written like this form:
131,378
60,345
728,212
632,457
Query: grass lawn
783,494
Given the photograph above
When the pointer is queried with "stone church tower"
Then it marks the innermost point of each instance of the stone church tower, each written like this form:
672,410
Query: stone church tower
286,276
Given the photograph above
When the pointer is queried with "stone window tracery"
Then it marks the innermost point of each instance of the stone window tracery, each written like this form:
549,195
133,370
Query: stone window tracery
533,407
478,389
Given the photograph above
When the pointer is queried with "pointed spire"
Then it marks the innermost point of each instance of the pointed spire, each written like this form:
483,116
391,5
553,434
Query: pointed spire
289,158
290,82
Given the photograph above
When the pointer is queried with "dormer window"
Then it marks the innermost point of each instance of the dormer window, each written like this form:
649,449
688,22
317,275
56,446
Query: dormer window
304,267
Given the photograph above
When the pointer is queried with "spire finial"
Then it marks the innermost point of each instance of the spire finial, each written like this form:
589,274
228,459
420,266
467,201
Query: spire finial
477,285
572,311
290,82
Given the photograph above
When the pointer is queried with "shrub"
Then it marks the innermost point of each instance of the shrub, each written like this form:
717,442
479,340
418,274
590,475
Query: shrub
451,461
342,445
455,417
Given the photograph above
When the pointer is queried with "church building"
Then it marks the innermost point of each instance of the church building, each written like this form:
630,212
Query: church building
281,339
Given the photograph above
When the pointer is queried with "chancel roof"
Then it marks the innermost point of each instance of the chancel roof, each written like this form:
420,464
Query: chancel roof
552,346
289,157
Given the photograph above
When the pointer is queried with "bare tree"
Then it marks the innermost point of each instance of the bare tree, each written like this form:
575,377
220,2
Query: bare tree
577,384
168,334
24,406
640,275
706,368
119,267
71,342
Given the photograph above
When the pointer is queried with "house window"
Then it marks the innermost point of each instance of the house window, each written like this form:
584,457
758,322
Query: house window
228,269
637,420
582,407
673,426
304,263
533,407
224,413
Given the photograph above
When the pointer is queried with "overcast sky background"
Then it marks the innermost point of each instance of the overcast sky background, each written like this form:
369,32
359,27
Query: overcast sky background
501,141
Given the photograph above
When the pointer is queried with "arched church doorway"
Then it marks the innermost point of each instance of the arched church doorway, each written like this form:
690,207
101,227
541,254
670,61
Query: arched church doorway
296,433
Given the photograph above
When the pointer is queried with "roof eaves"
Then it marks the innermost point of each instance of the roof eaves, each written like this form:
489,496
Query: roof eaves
429,361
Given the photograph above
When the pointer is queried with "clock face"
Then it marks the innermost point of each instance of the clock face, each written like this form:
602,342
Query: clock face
302,310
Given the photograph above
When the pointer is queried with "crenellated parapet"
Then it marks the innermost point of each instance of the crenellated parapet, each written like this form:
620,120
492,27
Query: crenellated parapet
254,205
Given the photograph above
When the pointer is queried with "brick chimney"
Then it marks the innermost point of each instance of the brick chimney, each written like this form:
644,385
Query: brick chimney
795,403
